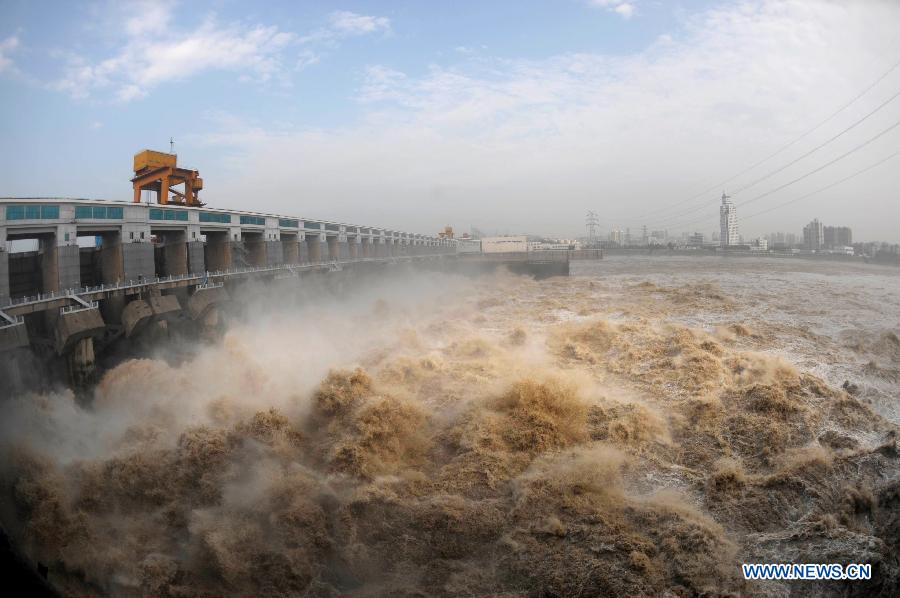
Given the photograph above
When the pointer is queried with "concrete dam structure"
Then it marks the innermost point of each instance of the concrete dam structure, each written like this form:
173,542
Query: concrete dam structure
150,263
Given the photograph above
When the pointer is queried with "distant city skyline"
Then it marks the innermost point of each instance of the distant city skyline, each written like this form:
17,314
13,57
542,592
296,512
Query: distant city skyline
843,234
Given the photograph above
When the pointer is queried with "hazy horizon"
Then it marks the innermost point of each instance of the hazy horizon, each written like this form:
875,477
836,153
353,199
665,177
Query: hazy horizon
507,118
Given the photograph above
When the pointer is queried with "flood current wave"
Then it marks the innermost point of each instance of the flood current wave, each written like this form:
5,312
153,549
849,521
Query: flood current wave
640,428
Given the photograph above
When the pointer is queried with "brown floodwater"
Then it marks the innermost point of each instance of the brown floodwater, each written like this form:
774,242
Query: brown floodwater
640,428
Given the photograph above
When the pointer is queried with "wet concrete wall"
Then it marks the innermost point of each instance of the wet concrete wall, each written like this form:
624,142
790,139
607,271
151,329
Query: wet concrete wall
316,250
302,253
196,263
4,277
218,251
60,266
290,249
255,249
138,262
274,253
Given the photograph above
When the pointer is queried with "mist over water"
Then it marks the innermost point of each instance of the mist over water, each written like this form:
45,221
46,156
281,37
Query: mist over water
641,427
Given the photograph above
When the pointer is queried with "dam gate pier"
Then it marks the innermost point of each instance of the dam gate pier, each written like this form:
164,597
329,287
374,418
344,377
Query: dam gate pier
149,265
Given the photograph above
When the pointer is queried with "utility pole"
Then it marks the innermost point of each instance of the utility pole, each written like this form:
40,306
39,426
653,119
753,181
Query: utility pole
592,222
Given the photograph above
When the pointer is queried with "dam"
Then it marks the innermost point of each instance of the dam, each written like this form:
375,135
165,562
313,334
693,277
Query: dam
152,262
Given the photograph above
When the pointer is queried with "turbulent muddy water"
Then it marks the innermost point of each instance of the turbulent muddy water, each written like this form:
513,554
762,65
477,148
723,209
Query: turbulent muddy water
640,428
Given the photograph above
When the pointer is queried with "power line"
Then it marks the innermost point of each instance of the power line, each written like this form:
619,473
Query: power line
818,126
782,148
821,145
825,188
774,172
808,174
826,165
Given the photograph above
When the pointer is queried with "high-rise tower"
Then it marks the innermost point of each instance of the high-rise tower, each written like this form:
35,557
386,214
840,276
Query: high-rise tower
814,235
728,228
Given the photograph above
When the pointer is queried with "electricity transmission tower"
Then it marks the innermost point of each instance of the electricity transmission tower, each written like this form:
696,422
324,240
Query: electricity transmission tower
592,222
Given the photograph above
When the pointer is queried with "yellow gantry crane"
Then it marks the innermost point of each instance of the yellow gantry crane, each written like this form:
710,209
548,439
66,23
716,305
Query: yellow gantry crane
158,171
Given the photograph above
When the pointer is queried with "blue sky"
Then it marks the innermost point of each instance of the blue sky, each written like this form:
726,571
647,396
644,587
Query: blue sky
408,36
503,115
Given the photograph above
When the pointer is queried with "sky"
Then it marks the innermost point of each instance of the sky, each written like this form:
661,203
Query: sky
506,116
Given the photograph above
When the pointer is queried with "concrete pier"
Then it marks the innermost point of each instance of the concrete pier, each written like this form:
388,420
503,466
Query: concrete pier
290,248
196,262
4,276
254,248
164,306
136,315
13,336
111,267
202,300
60,264
274,253
138,261
139,313
539,264
302,252
73,326
333,253
171,253
80,362
317,249
343,249
218,251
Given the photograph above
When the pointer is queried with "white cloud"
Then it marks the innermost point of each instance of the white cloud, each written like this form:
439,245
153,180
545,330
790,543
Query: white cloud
351,23
230,131
147,61
382,83
158,50
343,24
127,93
7,47
531,144
149,16
624,8
306,59
469,50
